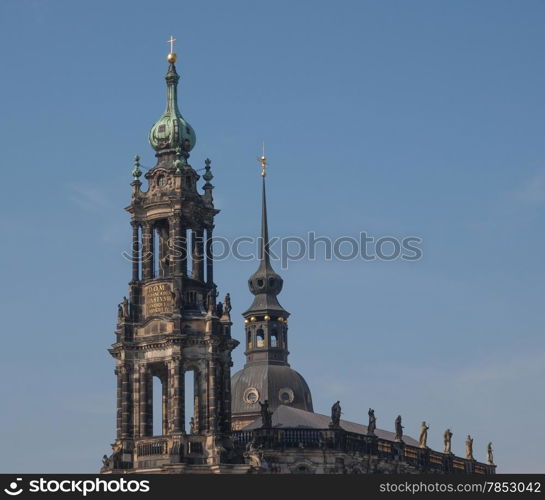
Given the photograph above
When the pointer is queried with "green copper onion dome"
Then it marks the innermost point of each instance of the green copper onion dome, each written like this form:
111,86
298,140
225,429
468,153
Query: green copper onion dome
171,130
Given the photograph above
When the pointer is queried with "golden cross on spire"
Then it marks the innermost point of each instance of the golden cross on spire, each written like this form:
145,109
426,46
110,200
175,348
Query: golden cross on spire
171,41
263,162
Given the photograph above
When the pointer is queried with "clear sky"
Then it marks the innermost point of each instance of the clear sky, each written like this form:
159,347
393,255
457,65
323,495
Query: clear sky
396,118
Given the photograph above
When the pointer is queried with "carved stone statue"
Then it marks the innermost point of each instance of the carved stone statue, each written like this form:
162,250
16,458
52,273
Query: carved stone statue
490,454
423,439
219,310
399,429
165,265
266,415
123,309
254,454
227,304
447,440
105,461
372,421
176,299
469,448
115,458
192,426
210,301
336,414
116,448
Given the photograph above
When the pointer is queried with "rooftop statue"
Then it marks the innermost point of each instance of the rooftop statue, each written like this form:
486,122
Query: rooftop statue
336,414
447,440
398,429
372,421
423,439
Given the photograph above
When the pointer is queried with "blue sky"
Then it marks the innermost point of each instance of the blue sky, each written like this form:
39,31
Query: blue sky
396,118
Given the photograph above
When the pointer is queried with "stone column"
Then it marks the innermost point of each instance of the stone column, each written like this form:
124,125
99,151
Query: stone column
126,401
174,257
176,399
164,403
146,402
225,374
149,404
136,402
211,394
199,397
147,251
119,398
209,258
200,253
135,251
182,247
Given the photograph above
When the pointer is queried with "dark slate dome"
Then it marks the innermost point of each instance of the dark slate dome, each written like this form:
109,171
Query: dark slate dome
279,384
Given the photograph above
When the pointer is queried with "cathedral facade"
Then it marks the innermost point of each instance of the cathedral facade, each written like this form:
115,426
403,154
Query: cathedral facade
172,327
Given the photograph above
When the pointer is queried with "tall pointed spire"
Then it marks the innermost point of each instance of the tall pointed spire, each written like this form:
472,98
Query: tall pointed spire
267,374
265,283
264,243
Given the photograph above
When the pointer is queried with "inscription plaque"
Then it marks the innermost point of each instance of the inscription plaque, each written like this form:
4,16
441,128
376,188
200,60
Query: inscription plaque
158,299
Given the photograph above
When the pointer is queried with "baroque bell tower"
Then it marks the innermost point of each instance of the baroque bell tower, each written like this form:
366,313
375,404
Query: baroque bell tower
170,326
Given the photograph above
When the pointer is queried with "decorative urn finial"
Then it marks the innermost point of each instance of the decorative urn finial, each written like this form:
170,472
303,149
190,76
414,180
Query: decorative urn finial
136,172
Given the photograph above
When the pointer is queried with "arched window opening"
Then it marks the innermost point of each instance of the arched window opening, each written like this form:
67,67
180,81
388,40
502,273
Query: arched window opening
155,252
157,415
274,338
190,403
260,338
191,299
160,249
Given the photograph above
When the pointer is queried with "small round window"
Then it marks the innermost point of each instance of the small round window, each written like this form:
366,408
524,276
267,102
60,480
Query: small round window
251,396
286,396
260,283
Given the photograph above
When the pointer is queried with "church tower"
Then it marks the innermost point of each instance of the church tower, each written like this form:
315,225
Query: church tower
266,376
170,327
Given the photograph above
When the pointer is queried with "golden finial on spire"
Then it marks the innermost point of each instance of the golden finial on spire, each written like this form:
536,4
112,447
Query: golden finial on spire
171,58
263,162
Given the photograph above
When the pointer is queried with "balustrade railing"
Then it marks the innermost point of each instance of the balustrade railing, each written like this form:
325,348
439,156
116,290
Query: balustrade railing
149,447
281,438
